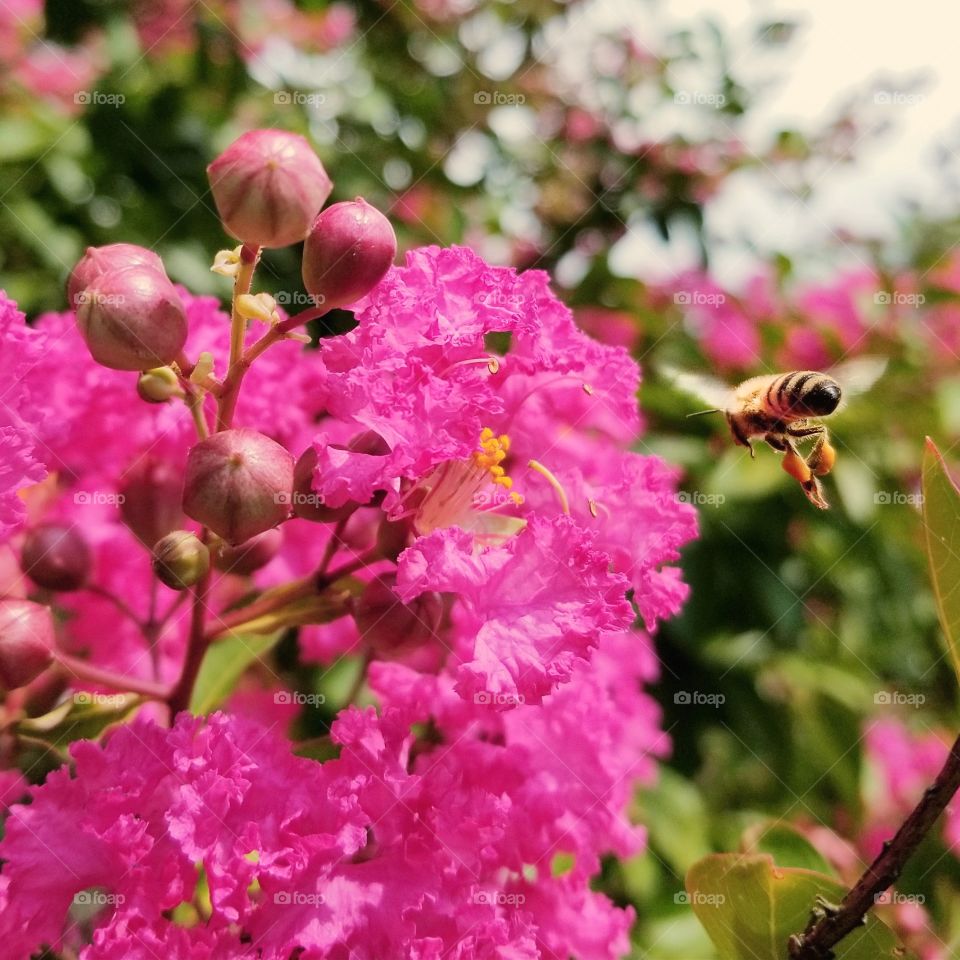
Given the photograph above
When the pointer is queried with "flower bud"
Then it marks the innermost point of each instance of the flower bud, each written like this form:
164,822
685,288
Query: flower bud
392,628
306,502
26,642
393,537
100,260
180,559
348,250
152,491
268,186
132,319
159,385
238,483
245,558
55,556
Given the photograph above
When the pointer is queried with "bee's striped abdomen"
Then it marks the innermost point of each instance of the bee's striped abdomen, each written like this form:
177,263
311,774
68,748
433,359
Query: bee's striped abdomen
802,393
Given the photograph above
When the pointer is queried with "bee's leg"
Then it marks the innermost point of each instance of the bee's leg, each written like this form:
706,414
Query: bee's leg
822,455
799,469
739,436
801,429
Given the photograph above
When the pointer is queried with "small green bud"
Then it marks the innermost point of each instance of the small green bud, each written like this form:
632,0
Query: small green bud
180,559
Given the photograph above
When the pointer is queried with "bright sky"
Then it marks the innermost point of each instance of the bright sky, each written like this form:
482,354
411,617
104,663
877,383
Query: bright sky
843,47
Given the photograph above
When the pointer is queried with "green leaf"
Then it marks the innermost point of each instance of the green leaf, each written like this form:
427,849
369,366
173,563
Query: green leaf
225,662
676,817
324,607
941,523
787,845
750,908
83,717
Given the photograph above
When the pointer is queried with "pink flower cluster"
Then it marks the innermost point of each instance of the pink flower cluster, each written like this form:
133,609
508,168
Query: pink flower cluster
905,764
170,26
58,75
809,327
470,423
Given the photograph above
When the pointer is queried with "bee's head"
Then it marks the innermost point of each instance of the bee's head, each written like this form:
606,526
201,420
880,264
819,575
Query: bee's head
823,398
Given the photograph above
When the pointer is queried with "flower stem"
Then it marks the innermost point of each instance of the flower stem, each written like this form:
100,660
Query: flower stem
84,670
828,926
179,698
227,405
194,402
311,585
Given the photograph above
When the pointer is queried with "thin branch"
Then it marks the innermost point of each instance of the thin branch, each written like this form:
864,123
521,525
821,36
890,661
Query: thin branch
829,925
84,670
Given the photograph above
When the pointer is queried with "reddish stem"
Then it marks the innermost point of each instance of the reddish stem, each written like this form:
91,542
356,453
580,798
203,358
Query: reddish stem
829,926
84,670
179,698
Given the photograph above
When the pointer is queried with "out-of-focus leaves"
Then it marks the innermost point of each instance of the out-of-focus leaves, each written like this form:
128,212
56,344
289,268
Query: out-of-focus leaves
941,521
750,908
787,845
84,716
676,818
223,665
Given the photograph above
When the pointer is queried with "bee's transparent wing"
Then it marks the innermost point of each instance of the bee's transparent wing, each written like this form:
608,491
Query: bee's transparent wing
707,389
858,375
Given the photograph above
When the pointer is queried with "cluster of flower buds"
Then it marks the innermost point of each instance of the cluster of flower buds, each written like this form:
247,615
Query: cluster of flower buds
55,557
269,188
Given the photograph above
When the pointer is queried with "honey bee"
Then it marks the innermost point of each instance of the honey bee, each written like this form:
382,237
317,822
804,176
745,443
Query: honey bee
782,409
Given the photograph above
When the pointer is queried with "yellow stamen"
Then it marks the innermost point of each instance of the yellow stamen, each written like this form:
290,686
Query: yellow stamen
553,481
588,390
493,451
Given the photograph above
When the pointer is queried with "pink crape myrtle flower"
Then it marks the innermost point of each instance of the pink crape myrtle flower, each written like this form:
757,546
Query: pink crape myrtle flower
21,411
477,445
417,371
528,610
374,853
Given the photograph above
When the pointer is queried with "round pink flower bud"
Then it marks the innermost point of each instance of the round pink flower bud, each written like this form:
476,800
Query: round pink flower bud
238,483
180,559
245,558
348,250
268,186
26,642
307,503
152,491
132,319
55,556
100,260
